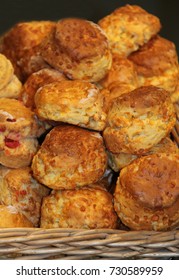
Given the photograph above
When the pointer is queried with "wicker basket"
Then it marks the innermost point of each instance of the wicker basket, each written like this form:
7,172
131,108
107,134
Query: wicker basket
73,244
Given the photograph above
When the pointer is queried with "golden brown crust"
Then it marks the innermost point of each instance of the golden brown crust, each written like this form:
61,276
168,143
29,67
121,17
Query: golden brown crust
10,86
122,71
118,161
74,102
19,189
17,153
120,79
138,120
18,131
35,81
20,45
87,208
11,218
156,64
16,117
149,187
70,157
129,27
79,49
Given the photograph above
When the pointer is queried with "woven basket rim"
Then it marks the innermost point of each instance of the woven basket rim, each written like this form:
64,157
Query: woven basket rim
58,243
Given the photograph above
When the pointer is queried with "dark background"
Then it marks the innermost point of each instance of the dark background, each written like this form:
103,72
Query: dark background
22,10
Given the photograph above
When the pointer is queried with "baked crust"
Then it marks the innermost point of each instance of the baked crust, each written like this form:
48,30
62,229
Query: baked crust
35,81
78,48
70,157
10,86
19,189
147,193
74,102
129,27
21,45
11,218
139,120
88,208
118,161
19,129
156,64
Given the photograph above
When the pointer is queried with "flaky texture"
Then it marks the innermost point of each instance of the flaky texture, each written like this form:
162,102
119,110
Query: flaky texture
10,86
139,120
70,157
147,193
79,48
129,27
35,81
156,64
21,45
87,208
19,129
19,189
10,217
119,160
73,102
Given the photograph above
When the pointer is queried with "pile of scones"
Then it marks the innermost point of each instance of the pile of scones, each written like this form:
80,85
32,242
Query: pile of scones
86,114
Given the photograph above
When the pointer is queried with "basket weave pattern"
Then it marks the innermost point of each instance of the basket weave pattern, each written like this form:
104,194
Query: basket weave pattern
66,244
73,244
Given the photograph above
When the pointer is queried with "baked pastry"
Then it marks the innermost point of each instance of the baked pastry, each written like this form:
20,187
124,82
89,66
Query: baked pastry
156,64
74,102
175,94
21,45
120,79
147,193
79,48
138,120
119,160
19,189
10,217
35,81
18,134
70,157
129,27
88,208
122,71
115,90
10,86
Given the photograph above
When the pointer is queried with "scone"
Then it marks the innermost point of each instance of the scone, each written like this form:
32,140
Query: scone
120,79
122,71
74,102
19,129
119,160
35,81
10,217
79,48
156,64
70,157
21,45
129,27
10,86
147,193
19,189
88,208
138,120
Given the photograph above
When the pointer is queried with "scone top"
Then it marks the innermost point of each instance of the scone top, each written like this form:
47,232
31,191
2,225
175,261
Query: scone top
154,182
79,49
80,38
